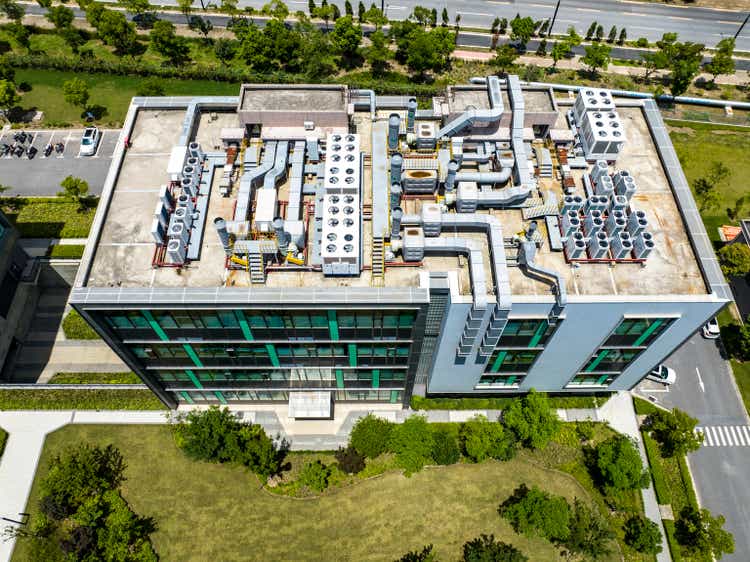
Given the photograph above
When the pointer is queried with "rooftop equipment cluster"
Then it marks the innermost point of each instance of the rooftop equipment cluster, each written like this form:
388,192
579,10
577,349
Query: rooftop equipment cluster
598,128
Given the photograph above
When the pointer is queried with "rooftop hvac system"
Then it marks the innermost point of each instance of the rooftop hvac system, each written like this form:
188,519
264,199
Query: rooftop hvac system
624,184
599,169
431,219
605,187
176,252
265,209
426,135
161,214
618,203
181,214
616,223
179,231
571,203
467,197
177,162
597,203
413,246
157,231
571,223
594,223
342,222
575,246
166,197
598,246
637,223
195,151
186,202
602,135
592,99
622,246
643,244
419,181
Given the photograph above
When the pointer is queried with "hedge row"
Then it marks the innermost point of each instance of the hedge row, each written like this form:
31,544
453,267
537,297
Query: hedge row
501,402
79,400
663,495
95,378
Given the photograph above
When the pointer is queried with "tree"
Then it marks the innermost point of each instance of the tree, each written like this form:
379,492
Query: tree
73,37
596,57
738,209
201,25
612,35
277,9
482,439
532,420
541,50
619,464
361,12
346,37
350,460
736,340
623,37
186,8
599,33
378,54
151,86
168,44
8,95
674,431
76,190
522,29
115,30
495,26
311,7
486,549
19,32
444,447
458,22
429,50
591,31
228,7
572,38
412,443
722,61
560,50
706,187
370,436
659,59
735,259
536,513
505,57
324,12
225,49
76,92
684,63
643,535
60,16
444,17
424,555
699,533
135,6
12,10
348,10
315,476
590,534
422,15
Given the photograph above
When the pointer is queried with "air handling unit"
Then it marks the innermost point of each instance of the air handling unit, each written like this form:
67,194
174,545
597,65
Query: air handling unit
599,127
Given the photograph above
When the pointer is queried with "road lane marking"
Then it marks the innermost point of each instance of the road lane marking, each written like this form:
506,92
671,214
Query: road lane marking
706,438
740,437
586,10
725,435
700,380
731,436
99,146
474,14
712,437
746,432
720,433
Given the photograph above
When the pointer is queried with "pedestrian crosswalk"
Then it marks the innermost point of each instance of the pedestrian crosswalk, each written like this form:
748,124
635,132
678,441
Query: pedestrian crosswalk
725,435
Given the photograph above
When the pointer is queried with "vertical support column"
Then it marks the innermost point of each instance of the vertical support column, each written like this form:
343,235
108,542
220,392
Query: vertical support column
352,354
339,378
376,378
333,325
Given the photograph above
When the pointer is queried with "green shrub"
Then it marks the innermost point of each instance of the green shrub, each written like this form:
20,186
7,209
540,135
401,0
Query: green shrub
444,447
486,549
701,534
412,443
687,481
76,328
661,489
532,420
95,378
643,535
641,42
66,251
427,554
532,512
619,464
350,460
83,399
644,407
482,439
585,431
315,476
500,403
370,436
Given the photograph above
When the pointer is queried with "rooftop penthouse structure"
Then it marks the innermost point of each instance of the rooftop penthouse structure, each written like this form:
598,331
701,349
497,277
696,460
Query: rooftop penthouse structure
316,239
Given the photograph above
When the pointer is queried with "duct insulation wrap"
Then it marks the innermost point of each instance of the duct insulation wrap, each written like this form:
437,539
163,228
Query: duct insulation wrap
221,229
411,113
643,245
394,126
396,215
396,192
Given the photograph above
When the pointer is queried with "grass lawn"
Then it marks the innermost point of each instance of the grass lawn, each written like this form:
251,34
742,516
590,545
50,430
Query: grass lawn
698,145
105,399
76,328
206,511
742,376
66,251
47,217
95,378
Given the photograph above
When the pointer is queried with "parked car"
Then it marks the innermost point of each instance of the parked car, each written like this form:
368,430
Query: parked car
711,329
90,141
662,374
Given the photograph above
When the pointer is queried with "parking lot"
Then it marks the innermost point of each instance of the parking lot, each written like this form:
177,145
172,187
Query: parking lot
41,175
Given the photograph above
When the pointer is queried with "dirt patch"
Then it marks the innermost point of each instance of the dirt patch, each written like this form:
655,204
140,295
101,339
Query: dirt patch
682,130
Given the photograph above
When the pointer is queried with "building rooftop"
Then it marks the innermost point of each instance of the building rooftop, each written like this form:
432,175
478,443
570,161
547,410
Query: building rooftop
125,254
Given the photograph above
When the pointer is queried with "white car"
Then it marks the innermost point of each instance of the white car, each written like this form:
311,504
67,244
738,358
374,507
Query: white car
711,329
90,141
662,374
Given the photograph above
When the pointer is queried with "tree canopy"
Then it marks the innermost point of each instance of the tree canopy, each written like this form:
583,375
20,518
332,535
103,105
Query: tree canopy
735,259
674,431
699,533
532,420
486,549
619,464
534,512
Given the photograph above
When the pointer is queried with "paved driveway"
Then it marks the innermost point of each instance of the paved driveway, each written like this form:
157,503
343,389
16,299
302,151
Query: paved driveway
42,175
705,389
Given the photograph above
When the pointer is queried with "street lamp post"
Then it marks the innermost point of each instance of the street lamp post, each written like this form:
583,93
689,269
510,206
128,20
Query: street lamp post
554,17
742,26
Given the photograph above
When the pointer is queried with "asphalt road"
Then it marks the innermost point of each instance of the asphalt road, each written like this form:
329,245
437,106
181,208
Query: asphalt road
42,176
705,389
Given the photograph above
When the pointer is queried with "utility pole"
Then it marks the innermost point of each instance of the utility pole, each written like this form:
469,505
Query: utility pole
554,17
743,25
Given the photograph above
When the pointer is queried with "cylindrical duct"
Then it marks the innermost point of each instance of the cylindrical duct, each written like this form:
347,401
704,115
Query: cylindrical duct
411,113
531,230
396,215
575,246
396,192
221,229
282,236
397,161
394,125
450,178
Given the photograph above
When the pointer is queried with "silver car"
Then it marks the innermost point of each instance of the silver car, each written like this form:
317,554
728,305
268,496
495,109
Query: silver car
90,141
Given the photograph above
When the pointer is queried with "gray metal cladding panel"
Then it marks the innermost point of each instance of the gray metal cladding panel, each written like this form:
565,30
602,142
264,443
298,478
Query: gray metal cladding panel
676,177
380,180
261,295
